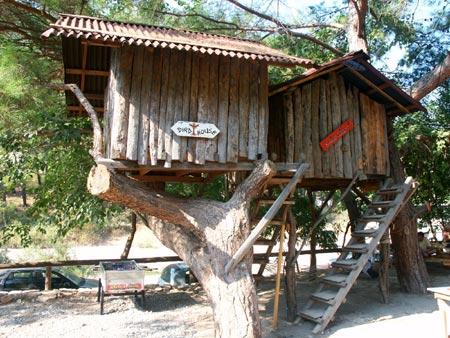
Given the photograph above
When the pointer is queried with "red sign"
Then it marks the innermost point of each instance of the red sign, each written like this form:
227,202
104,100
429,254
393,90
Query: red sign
336,135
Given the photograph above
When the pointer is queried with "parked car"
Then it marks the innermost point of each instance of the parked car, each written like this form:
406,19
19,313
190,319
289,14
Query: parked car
34,278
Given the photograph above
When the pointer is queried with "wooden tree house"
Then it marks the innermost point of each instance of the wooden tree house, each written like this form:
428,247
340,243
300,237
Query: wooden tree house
182,106
144,79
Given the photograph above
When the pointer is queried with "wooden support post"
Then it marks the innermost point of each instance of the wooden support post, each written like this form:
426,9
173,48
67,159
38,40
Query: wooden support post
313,236
48,278
290,278
383,277
276,301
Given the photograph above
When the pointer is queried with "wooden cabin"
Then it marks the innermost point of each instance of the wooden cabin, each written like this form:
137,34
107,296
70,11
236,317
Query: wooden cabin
179,103
347,95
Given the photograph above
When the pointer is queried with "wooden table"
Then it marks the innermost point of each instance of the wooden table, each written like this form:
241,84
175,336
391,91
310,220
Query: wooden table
442,295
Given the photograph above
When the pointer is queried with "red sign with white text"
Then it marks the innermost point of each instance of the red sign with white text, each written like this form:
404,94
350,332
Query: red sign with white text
336,135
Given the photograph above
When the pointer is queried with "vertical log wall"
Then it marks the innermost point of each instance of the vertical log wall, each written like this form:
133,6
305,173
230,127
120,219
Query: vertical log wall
302,116
151,89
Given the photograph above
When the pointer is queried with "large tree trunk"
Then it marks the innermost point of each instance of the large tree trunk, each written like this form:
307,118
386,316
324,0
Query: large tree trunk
205,234
356,34
411,270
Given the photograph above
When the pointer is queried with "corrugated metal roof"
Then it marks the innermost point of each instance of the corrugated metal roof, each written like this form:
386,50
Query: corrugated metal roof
90,28
355,68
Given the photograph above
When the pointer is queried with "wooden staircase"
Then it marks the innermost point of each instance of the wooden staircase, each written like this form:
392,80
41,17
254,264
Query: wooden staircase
333,289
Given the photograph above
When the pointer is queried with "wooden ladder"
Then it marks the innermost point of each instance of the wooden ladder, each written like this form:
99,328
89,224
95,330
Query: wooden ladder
279,223
332,290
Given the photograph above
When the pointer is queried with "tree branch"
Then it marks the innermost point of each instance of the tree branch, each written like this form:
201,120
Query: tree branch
253,184
431,80
182,15
283,28
97,149
30,9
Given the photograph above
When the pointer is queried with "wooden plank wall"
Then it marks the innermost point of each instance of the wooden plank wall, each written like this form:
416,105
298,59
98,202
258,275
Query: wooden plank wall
151,89
303,116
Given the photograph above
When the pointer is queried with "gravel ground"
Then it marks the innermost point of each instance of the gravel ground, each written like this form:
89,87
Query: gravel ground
178,313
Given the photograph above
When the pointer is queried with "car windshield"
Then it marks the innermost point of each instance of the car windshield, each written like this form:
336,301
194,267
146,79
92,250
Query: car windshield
74,278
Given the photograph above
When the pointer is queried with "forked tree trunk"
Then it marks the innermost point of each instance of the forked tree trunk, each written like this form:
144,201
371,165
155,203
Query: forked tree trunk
205,234
411,270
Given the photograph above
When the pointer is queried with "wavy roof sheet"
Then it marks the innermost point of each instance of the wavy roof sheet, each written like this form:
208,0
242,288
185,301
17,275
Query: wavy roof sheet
90,28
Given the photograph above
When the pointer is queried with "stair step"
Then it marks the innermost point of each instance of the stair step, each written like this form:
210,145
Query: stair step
357,247
389,191
286,202
312,314
326,296
372,217
336,279
381,204
365,233
348,264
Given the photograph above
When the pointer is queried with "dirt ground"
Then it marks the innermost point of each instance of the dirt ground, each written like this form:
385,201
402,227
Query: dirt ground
178,313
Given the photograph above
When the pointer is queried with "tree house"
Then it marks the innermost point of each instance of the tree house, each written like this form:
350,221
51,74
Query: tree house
336,115
178,104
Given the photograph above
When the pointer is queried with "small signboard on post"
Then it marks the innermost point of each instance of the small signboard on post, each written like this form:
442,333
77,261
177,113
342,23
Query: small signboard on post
195,129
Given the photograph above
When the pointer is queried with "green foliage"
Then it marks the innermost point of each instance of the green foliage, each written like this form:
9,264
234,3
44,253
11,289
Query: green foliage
36,136
216,190
326,238
424,142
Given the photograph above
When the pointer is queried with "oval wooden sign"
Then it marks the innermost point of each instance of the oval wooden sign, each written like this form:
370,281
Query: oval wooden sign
195,129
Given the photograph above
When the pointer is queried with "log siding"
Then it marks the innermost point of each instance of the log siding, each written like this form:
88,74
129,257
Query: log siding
150,89
303,116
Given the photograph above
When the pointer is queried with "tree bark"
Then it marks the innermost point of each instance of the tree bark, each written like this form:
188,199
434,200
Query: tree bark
24,195
290,277
431,80
126,250
410,266
356,35
205,234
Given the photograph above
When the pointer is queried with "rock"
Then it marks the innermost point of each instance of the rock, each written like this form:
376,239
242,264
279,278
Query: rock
47,295
5,299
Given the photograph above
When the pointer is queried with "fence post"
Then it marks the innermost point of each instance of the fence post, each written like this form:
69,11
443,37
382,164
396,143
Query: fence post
48,278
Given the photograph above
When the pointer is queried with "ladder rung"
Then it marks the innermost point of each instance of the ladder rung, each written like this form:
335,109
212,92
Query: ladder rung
265,241
312,314
337,279
326,296
357,247
273,222
348,264
260,260
365,233
286,202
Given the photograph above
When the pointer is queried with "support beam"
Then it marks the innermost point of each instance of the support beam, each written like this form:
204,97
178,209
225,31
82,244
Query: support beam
265,221
276,301
89,72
